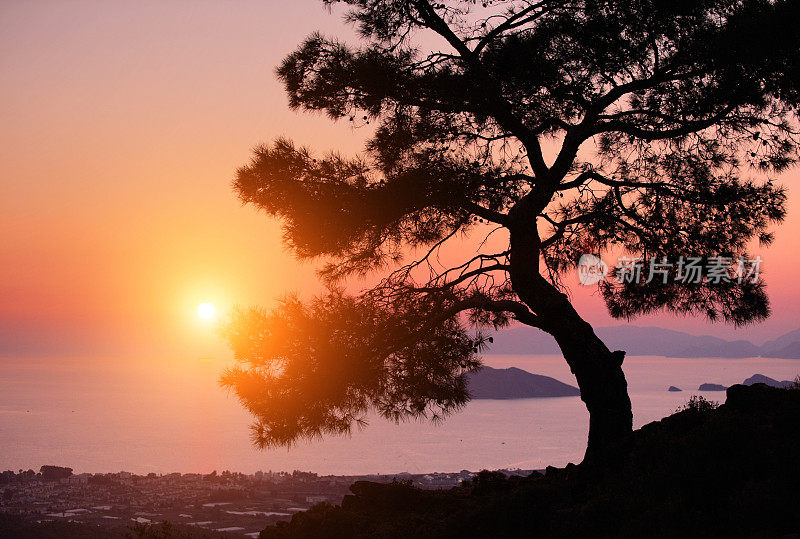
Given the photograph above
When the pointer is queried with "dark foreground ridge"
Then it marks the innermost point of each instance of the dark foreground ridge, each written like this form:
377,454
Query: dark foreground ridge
703,471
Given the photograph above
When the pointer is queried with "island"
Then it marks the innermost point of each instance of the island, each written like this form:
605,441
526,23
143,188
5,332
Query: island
711,387
514,383
673,389
761,379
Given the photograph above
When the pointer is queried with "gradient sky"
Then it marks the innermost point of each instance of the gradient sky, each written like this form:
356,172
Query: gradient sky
121,126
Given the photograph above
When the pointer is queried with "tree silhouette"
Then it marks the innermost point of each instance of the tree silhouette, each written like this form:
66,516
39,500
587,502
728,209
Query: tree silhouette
657,113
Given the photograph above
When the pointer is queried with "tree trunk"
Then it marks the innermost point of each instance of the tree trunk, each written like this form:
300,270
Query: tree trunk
601,380
598,371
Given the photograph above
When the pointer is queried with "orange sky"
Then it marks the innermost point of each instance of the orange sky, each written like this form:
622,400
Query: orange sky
121,125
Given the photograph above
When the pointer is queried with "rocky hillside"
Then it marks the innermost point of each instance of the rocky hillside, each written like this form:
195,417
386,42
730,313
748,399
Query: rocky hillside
727,471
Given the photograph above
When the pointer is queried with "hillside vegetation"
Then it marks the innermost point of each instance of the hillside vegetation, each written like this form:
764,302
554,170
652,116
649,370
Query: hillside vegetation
730,470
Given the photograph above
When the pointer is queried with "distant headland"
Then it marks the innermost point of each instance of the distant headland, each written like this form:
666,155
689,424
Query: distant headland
650,341
514,383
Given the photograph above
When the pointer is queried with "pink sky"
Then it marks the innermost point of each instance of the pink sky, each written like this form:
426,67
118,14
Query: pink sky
121,125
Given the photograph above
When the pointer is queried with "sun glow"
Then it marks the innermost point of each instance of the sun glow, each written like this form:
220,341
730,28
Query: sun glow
206,310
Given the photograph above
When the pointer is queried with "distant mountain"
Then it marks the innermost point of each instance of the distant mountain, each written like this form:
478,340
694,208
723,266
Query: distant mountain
786,346
761,379
726,349
654,341
523,340
514,383
791,351
649,341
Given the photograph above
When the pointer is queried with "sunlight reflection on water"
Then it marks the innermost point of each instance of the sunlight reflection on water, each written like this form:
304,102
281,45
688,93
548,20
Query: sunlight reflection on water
113,416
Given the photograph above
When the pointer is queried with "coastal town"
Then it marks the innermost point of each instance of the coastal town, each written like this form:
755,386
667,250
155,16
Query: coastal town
227,503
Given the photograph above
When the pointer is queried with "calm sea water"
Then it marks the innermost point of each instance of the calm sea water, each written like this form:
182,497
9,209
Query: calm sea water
167,416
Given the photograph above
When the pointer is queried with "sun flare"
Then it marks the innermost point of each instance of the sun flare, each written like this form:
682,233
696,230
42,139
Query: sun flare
206,310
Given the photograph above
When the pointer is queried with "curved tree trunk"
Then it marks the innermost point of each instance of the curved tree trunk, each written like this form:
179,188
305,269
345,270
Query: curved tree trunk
598,371
600,378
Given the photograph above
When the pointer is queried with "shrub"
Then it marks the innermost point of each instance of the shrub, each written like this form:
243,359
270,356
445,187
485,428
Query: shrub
698,403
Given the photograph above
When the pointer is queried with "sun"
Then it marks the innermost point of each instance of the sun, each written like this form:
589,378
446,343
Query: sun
206,310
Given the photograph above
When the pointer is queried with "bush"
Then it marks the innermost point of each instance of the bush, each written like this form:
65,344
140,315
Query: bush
698,403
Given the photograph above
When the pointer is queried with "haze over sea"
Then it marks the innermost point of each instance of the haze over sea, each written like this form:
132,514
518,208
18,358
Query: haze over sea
108,416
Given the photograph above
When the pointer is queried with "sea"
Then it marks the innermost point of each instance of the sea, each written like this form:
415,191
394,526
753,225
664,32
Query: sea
167,415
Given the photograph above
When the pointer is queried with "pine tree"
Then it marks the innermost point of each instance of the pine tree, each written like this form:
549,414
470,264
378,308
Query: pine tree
668,121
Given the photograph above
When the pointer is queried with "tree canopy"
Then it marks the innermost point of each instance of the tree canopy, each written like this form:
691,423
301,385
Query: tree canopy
667,120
